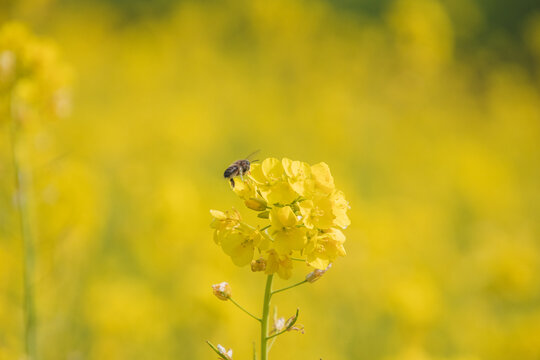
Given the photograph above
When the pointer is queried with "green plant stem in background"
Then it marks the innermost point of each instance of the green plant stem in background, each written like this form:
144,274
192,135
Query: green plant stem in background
244,310
21,194
265,315
289,287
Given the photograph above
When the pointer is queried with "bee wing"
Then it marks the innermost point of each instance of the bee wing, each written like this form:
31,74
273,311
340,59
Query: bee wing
253,153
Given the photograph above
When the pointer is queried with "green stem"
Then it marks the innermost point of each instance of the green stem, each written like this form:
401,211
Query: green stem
277,334
265,315
28,250
289,287
244,310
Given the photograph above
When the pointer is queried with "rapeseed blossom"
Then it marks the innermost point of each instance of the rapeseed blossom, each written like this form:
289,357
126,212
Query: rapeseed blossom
32,79
305,214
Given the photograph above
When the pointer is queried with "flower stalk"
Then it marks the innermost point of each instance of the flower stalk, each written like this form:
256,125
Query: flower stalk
289,287
21,199
265,316
244,310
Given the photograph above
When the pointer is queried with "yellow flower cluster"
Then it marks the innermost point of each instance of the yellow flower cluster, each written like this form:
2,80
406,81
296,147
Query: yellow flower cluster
305,212
32,80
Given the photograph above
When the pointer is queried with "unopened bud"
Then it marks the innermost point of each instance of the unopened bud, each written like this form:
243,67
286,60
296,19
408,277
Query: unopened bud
316,274
258,265
256,204
222,291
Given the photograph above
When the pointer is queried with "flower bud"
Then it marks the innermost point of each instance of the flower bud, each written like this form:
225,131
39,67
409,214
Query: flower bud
316,274
256,204
258,265
222,291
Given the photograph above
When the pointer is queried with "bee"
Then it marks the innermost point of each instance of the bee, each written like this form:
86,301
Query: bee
238,168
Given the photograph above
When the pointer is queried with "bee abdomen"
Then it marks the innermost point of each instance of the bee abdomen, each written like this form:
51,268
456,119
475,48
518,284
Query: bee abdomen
230,171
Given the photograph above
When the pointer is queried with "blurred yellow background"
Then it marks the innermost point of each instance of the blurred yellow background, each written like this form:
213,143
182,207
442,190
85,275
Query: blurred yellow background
427,112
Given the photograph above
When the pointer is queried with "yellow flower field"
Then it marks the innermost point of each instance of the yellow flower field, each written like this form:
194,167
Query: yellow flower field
123,117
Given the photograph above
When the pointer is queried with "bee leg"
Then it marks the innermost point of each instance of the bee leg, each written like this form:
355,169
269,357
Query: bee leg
232,182
241,174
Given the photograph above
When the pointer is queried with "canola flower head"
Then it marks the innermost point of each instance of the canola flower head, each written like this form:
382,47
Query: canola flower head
303,216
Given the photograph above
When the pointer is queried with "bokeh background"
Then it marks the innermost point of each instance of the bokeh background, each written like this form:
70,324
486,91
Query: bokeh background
427,111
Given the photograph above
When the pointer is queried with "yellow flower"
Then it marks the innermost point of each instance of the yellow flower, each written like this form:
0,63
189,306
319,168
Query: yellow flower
323,212
280,264
237,239
287,236
272,169
283,217
317,212
270,180
339,208
240,245
224,222
324,182
304,210
256,174
245,189
299,174
325,247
